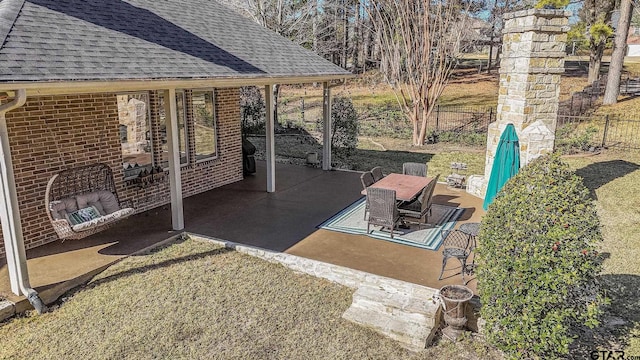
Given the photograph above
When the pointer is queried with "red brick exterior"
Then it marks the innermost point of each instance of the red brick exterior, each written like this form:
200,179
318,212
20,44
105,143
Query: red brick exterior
52,133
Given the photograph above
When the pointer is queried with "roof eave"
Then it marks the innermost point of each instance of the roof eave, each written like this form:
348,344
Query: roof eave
102,86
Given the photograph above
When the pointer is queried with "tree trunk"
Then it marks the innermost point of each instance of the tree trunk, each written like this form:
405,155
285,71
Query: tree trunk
356,38
617,58
314,28
416,129
595,62
276,92
490,56
345,34
602,10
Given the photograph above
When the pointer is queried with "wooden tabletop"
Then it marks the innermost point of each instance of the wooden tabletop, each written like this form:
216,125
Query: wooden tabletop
407,187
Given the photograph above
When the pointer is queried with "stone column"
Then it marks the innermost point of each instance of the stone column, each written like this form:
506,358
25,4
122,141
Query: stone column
533,51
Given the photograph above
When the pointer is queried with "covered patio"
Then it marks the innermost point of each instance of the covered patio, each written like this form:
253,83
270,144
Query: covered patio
242,212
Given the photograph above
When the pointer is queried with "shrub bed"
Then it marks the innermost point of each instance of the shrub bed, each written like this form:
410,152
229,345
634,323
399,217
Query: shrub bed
538,263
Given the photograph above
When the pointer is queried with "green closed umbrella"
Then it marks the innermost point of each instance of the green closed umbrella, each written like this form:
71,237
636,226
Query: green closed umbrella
505,164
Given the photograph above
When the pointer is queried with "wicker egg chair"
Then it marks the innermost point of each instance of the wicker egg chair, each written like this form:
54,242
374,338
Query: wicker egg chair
87,187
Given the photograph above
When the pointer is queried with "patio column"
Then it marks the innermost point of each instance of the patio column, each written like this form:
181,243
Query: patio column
326,126
175,180
9,209
270,139
530,68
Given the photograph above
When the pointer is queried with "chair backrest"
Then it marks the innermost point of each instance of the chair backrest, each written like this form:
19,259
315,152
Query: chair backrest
415,169
81,180
426,198
455,239
377,173
367,179
382,204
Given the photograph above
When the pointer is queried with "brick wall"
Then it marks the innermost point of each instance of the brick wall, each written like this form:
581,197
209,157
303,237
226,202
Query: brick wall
52,133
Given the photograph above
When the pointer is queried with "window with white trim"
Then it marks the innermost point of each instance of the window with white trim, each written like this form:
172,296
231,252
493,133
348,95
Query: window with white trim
183,138
204,124
135,133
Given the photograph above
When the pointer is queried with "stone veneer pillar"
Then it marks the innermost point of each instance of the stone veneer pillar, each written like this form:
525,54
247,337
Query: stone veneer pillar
533,51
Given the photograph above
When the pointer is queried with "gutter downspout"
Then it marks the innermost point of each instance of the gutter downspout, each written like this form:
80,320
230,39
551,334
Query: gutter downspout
10,213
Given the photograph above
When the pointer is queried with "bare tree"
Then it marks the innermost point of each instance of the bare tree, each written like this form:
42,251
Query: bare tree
419,41
289,18
617,58
494,33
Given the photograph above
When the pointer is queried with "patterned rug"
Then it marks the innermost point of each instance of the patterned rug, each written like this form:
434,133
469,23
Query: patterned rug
351,221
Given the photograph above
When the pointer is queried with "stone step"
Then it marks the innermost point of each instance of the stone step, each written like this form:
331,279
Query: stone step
406,314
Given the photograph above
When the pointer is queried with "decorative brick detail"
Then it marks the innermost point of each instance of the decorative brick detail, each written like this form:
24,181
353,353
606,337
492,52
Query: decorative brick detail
52,133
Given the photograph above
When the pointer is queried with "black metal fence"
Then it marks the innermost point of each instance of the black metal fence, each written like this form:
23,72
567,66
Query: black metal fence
582,102
461,119
582,133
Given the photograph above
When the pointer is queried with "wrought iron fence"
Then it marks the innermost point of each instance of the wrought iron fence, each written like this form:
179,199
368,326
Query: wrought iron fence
461,119
582,102
582,133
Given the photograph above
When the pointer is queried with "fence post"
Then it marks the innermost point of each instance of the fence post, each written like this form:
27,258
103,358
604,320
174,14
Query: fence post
302,108
606,130
438,117
571,105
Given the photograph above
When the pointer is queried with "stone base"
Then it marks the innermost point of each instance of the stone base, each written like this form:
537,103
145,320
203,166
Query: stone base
406,314
452,334
477,186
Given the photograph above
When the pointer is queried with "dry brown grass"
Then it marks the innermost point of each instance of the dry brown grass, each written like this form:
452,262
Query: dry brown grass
627,108
194,300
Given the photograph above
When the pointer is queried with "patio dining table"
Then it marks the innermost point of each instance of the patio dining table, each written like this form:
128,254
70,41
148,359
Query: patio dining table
407,187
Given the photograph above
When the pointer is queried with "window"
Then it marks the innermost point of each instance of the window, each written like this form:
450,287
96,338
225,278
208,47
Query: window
182,130
203,102
134,128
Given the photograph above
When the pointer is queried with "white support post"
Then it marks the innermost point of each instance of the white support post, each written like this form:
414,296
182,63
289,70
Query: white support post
10,212
270,139
171,119
326,128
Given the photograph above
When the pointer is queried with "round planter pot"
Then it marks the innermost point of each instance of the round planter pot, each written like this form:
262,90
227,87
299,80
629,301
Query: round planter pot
454,302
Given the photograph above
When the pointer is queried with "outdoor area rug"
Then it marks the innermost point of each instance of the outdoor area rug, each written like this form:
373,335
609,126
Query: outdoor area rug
351,221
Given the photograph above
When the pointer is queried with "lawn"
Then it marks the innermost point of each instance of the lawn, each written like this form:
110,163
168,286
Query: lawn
195,300
613,179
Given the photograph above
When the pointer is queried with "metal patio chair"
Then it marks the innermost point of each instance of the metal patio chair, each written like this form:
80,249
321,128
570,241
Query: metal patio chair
455,244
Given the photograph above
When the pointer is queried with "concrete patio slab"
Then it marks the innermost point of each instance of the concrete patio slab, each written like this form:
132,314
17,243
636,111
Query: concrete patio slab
243,212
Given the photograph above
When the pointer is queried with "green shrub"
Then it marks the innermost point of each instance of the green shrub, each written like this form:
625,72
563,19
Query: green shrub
465,138
552,4
344,126
537,262
384,120
570,139
252,108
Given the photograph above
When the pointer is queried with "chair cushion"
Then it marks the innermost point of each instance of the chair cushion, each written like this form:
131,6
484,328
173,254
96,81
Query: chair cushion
83,215
119,214
60,208
414,206
103,200
455,252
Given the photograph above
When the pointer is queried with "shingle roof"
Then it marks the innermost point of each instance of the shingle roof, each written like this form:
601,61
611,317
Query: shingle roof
66,40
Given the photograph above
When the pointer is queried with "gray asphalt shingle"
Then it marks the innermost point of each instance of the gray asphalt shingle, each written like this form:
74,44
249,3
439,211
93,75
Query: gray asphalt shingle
63,40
